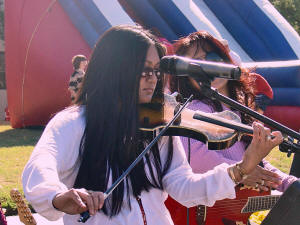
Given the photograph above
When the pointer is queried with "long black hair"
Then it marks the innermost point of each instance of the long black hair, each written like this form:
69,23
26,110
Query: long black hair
111,140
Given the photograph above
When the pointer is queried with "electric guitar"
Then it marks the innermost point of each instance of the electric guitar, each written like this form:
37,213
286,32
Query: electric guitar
23,209
224,212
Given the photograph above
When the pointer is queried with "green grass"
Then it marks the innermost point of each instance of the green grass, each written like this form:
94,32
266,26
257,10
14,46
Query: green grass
280,160
16,146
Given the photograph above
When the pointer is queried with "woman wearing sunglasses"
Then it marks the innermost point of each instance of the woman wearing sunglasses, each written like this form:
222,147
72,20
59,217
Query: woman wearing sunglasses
203,46
86,147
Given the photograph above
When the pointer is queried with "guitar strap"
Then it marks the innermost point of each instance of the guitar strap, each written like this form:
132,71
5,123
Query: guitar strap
139,200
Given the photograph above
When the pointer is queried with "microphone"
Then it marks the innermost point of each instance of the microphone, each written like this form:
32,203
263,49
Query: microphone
198,69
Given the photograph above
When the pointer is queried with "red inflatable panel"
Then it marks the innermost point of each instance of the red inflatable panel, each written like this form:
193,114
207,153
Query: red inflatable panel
40,42
286,115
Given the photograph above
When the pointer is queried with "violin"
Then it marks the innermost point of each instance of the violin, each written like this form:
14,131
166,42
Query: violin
218,130
154,116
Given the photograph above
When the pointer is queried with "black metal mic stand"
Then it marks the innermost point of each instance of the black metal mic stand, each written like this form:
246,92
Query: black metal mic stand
288,146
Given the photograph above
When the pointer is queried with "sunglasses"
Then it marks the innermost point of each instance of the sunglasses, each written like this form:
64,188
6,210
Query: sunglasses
149,72
213,57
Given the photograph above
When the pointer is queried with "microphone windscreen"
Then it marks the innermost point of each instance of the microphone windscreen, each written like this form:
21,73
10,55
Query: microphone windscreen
167,64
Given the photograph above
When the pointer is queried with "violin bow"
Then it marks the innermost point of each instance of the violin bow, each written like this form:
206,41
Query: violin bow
85,215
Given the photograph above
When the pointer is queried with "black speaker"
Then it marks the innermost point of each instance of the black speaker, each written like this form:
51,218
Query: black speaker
287,209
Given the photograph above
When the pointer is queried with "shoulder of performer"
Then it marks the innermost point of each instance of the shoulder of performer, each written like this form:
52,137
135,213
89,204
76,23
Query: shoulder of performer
69,121
62,135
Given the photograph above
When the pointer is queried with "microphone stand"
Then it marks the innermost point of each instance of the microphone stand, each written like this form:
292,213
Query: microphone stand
209,92
85,215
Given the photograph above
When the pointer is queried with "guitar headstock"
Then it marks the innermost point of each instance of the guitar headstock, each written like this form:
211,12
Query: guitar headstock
23,209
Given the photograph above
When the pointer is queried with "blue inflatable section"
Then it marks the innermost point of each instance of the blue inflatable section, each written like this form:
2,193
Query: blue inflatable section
252,29
87,18
286,97
150,17
94,16
288,77
173,17
245,21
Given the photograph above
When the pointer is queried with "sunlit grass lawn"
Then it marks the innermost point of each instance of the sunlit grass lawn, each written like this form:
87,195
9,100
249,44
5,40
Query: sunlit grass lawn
280,160
16,146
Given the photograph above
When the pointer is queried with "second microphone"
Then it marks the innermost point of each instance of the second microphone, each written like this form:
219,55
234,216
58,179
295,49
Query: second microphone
198,69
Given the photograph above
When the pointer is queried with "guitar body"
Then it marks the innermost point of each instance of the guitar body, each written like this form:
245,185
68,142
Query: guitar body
224,212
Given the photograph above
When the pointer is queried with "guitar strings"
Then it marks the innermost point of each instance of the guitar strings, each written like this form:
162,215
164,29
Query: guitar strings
238,204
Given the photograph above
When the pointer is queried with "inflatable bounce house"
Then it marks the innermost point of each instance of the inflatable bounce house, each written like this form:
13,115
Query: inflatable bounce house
42,37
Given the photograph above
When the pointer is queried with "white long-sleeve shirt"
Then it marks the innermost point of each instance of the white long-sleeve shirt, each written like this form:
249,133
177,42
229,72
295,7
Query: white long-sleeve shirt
53,167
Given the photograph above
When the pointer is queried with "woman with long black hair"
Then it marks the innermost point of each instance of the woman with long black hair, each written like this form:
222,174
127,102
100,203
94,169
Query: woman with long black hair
86,147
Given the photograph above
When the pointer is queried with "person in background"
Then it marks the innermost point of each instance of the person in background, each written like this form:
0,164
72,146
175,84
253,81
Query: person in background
79,63
203,46
86,147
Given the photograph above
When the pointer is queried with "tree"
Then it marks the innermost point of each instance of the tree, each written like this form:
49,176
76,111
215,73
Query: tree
290,10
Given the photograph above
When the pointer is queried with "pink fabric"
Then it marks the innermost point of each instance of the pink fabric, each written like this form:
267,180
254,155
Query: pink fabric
202,159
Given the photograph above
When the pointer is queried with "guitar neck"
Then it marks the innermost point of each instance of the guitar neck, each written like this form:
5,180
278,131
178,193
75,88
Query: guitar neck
23,209
260,203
